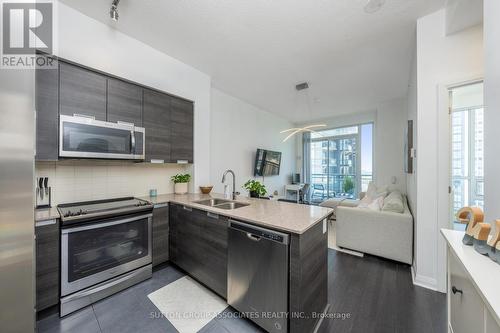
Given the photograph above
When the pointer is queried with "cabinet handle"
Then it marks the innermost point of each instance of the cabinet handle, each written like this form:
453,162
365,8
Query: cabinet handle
212,215
454,290
79,115
189,209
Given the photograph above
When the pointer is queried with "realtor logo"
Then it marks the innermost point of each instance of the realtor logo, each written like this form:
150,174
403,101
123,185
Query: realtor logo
27,27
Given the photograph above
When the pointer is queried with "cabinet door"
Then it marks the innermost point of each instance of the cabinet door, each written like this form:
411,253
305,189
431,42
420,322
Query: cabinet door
47,114
466,307
173,221
181,121
81,91
157,124
47,264
124,102
214,252
160,235
189,256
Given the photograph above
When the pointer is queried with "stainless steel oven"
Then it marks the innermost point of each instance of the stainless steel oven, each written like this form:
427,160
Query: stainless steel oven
85,137
103,257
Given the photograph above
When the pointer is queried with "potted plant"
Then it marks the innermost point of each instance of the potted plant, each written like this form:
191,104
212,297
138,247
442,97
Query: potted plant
255,188
348,185
181,183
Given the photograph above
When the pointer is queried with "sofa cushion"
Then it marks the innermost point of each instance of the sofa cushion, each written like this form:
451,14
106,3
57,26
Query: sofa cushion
375,191
394,202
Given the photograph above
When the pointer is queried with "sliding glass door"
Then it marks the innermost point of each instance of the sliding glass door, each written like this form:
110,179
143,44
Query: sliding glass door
340,161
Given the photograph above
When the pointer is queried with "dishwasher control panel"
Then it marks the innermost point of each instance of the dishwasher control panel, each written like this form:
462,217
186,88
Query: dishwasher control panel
257,232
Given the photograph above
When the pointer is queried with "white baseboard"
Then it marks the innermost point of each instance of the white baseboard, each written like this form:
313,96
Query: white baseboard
423,281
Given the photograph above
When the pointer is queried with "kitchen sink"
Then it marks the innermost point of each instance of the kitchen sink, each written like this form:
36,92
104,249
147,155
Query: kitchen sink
231,205
212,202
222,204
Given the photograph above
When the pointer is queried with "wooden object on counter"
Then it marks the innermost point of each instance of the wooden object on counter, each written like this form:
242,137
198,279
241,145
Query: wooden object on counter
494,244
481,233
470,216
494,241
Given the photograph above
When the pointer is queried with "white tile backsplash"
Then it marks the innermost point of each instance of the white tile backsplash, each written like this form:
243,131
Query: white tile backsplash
82,180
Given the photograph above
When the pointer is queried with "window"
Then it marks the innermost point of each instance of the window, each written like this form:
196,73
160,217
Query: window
467,148
340,161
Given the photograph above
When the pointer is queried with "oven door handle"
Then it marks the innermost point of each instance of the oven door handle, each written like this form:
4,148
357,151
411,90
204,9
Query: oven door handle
107,224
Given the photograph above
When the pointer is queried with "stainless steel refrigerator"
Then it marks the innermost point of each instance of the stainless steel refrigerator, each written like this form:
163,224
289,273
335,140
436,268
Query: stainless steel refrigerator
17,118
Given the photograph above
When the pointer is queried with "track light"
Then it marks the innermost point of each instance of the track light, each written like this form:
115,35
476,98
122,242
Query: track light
113,12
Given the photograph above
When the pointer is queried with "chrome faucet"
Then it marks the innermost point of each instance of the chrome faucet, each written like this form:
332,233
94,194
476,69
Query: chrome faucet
234,194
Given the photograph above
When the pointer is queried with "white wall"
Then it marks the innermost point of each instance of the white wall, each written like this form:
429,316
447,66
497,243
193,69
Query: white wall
411,178
389,144
441,60
492,109
94,44
237,130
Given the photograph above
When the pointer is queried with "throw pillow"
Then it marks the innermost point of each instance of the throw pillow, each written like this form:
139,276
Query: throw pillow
394,203
376,205
373,192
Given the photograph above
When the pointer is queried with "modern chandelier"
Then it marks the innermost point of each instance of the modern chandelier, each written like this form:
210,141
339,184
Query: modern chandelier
309,128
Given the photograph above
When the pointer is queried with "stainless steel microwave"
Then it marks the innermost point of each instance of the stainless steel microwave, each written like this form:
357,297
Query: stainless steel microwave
85,137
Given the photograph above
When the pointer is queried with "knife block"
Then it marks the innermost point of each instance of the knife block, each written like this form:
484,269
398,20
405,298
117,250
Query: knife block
43,197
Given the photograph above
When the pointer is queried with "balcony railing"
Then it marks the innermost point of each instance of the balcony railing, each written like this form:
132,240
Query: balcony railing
325,186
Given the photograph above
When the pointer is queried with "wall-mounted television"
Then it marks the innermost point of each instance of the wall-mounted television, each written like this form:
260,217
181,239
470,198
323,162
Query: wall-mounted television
267,163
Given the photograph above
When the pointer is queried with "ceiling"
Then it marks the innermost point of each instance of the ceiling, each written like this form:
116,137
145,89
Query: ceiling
258,50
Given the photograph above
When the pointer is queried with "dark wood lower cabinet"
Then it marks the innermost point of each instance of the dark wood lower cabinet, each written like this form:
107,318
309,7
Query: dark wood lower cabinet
160,235
47,264
214,230
198,245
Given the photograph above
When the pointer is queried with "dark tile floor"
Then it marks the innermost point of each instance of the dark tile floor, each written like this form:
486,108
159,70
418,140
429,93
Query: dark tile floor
372,295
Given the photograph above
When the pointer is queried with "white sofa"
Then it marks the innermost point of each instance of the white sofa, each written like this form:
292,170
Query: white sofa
381,233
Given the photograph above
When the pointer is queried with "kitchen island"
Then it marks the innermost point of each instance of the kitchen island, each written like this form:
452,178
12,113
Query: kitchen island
198,243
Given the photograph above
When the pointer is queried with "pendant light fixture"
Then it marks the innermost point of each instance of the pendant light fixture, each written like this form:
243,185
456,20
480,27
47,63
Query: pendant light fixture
309,128
113,12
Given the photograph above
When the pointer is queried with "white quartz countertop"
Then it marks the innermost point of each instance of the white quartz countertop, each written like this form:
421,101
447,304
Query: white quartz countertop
45,214
290,217
484,273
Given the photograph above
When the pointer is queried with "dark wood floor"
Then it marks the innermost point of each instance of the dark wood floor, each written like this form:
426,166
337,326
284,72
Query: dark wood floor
376,294
379,296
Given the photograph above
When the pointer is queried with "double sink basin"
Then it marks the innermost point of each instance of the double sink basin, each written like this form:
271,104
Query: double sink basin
222,204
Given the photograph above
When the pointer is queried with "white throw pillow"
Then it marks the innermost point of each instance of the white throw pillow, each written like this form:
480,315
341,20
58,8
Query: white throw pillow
373,192
394,202
376,204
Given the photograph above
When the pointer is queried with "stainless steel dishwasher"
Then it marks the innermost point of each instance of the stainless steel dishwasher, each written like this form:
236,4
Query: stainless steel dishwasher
258,275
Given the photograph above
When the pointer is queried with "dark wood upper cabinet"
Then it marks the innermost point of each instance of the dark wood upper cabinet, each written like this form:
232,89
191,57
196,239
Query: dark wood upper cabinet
47,114
124,102
156,116
182,125
72,89
81,91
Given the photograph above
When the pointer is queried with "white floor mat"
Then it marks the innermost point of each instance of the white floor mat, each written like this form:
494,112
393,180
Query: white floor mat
187,305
